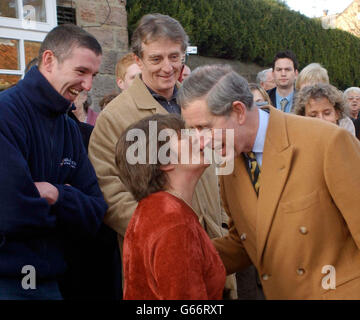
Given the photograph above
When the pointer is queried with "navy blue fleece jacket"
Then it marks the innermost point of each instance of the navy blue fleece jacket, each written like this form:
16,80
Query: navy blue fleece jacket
39,142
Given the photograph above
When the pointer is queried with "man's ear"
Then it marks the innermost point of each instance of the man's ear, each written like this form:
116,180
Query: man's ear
120,83
138,61
239,110
48,59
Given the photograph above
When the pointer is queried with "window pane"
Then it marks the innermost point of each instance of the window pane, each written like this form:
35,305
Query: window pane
9,54
34,10
31,50
8,8
8,80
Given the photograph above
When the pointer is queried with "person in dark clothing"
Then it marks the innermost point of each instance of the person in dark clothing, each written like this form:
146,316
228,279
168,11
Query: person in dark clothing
96,258
285,71
85,129
357,127
48,191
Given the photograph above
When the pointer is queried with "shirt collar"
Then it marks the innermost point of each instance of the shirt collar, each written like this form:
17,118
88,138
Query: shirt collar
289,98
160,97
261,133
43,94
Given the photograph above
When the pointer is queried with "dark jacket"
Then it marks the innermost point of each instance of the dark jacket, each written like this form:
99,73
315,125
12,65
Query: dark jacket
96,258
272,95
85,128
357,127
39,142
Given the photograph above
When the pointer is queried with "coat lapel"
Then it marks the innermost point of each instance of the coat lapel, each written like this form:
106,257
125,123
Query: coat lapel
143,98
277,157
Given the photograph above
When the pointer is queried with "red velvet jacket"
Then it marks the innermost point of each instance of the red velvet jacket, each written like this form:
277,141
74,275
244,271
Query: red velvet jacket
168,255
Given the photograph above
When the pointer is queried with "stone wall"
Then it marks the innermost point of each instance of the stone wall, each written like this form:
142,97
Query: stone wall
349,19
108,23
110,29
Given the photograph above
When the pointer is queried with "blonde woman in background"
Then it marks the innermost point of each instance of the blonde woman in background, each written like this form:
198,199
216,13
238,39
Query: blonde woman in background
322,101
313,74
261,98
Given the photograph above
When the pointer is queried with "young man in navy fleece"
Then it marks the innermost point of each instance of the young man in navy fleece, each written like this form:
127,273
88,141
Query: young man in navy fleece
48,188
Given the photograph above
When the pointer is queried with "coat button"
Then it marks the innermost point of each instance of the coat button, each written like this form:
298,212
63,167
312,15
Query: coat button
300,271
303,230
265,277
243,237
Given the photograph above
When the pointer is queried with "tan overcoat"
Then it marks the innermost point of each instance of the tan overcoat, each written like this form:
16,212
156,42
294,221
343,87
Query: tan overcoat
306,219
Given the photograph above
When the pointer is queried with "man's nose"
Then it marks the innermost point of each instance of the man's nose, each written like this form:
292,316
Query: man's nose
87,83
204,138
167,66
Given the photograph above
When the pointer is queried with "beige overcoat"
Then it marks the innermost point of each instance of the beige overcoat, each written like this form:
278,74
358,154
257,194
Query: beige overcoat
306,220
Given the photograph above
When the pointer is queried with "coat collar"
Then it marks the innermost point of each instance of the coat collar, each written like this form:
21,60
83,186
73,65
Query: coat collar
145,100
44,97
277,157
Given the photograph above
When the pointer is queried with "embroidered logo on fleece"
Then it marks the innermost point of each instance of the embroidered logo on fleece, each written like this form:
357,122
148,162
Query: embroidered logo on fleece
68,162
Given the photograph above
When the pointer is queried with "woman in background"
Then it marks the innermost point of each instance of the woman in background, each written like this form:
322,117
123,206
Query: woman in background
321,101
261,98
313,74
83,112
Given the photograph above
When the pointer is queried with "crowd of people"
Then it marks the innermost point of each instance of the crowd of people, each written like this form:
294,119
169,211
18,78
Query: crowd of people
94,208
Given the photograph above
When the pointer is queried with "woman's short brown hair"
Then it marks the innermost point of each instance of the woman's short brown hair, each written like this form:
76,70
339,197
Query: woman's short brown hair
143,179
320,90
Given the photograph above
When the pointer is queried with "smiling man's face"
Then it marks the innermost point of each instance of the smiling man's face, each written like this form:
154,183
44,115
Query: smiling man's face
160,65
75,73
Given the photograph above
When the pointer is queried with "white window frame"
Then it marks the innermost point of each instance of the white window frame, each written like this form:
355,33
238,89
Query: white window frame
25,30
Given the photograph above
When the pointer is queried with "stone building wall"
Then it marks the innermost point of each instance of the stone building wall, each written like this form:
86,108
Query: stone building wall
108,23
349,19
111,31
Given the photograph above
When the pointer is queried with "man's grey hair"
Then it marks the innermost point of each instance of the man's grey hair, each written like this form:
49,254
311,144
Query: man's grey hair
261,76
155,26
219,85
351,89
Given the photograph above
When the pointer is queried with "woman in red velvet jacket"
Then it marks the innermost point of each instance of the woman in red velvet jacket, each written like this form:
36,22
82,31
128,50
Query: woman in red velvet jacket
166,253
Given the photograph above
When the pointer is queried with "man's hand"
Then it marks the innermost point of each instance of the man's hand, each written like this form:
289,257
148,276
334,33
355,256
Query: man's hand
47,191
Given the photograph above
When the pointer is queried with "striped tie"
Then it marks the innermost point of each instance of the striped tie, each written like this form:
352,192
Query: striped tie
283,104
254,171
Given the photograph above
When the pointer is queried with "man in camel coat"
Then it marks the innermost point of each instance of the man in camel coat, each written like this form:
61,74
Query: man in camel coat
294,209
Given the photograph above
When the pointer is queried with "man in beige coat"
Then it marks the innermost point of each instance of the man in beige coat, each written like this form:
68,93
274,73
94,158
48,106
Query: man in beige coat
159,44
299,222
